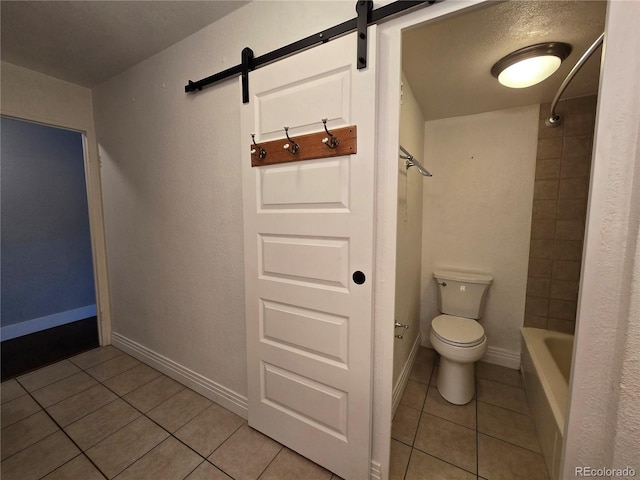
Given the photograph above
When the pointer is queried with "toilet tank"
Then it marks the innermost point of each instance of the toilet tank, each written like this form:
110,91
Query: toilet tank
462,294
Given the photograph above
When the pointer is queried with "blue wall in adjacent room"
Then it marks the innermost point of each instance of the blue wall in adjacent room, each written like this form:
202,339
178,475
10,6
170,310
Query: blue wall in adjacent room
46,264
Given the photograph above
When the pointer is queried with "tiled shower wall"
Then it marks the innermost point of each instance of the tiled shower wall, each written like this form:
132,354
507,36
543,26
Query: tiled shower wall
563,164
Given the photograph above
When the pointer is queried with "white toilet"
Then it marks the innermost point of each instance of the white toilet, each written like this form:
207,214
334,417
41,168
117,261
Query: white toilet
456,335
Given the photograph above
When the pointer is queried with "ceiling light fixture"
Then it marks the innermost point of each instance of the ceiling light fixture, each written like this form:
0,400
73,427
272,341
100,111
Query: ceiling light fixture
530,65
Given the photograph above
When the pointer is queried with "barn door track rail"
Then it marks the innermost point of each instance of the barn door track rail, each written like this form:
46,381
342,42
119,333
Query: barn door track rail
366,16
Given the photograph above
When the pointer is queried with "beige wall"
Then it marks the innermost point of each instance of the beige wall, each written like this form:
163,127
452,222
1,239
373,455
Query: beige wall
559,212
477,215
409,239
173,194
40,98
173,206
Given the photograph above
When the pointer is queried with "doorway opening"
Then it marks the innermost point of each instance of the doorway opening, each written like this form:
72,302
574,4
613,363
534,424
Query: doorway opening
507,198
47,285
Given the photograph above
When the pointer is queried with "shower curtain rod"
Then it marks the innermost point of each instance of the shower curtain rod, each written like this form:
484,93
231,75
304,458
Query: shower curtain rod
553,120
409,156
412,162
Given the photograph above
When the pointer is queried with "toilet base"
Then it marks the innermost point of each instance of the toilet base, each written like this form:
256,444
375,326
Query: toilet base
456,381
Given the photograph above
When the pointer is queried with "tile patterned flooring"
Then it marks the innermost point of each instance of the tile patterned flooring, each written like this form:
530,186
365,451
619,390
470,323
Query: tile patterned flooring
492,437
103,414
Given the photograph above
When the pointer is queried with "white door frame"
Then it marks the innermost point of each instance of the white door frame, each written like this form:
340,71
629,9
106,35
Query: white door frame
388,131
35,97
91,164
390,58
98,244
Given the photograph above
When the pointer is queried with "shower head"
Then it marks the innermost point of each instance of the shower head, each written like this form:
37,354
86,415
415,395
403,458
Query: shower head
412,162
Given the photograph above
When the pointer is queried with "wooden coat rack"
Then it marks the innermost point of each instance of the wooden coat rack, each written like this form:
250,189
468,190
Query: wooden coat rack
338,142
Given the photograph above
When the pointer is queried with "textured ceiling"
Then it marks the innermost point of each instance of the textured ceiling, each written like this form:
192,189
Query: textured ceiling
87,42
447,62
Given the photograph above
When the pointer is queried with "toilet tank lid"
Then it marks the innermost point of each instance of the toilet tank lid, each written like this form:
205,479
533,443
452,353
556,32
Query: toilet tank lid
462,276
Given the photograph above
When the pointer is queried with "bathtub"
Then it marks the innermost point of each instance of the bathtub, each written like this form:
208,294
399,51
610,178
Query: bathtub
546,364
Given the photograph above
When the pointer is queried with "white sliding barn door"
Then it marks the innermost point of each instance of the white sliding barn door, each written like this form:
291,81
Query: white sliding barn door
308,226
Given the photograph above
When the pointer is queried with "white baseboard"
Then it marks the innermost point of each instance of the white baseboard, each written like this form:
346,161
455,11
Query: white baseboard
48,321
220,394
227,398
502,357
400,385
376,471
426,341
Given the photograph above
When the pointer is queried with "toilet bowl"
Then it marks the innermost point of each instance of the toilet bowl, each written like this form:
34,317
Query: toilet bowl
456,334
460,342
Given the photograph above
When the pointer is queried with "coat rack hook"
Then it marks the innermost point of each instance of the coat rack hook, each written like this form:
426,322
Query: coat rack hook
331,141
292,146
261,152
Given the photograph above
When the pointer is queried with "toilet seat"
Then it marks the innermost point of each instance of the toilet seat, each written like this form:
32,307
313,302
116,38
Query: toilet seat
458,331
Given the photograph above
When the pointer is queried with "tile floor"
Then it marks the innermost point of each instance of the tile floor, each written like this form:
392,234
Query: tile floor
491,438
103,414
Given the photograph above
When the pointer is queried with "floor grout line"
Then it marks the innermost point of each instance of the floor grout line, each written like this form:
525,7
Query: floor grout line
118,397
170,434
421,415
475,369
83,452
143,414
476,430
60,428
272,460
